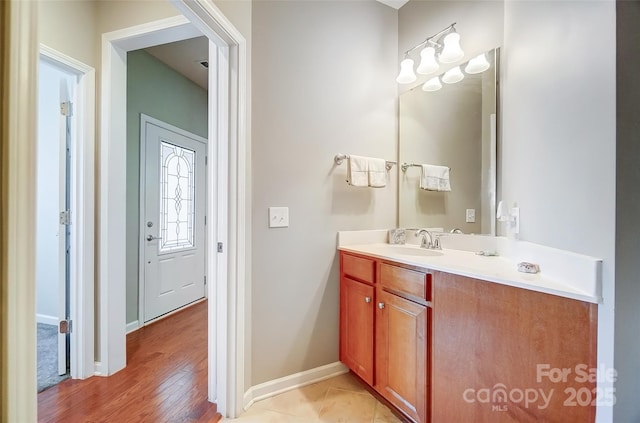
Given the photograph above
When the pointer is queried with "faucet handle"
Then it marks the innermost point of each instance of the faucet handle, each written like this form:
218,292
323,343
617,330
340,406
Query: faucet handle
437,243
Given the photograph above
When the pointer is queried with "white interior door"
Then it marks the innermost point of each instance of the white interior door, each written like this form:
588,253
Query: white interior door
173,227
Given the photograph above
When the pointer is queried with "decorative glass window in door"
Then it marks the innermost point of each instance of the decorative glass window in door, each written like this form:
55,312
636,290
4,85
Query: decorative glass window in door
177,197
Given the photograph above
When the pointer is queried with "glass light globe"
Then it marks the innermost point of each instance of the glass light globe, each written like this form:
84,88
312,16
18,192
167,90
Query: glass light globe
477,65
451,51
406,75
453,75
432,85
428,62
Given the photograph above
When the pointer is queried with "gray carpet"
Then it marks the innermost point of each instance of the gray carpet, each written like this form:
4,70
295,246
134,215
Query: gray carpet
48,357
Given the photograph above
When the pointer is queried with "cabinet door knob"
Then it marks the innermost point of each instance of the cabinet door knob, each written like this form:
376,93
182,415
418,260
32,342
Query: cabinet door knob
367,299
380,306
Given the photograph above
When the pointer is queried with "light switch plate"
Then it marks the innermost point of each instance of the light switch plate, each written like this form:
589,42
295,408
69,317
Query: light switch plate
278,217
471,215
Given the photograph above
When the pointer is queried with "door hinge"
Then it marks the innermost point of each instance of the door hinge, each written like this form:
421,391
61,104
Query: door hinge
65,217
65,326
205,279
206,159
66,108
205,220
219,247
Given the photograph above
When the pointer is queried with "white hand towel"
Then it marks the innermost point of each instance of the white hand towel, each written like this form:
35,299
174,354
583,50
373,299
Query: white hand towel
377,173
435,178
357,171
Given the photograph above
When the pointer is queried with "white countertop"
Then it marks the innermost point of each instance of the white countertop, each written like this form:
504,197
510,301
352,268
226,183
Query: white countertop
464,263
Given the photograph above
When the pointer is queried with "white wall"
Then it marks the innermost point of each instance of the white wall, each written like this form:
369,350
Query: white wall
323,83
48,228
559,128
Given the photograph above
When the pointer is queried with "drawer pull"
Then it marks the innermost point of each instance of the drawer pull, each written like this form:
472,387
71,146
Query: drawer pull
367,299
380,306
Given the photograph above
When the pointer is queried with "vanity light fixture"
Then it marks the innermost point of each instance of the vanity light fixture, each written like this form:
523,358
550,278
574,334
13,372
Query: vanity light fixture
445,45
451,51
432,85
453,75
406,75
428,63
477,65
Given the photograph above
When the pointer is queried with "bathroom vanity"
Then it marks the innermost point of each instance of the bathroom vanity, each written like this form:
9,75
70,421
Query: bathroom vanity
443,346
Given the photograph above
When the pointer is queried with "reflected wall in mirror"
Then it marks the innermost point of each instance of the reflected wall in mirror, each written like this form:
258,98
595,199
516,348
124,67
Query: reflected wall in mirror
454,127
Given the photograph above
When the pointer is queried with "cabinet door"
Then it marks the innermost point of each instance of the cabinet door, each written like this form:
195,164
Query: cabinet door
402,353
356,327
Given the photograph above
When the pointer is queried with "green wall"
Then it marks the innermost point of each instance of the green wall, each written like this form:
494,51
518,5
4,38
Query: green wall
158,91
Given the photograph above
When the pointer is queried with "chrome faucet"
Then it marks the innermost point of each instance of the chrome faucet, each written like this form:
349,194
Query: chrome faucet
424,243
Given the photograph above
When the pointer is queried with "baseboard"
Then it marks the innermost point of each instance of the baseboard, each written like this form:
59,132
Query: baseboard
296,380
132,327
98,367
46,319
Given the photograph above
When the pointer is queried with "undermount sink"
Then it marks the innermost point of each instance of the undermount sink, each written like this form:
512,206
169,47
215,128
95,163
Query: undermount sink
415,251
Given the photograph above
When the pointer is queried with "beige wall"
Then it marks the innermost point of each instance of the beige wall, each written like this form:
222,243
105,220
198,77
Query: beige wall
324,83
70,28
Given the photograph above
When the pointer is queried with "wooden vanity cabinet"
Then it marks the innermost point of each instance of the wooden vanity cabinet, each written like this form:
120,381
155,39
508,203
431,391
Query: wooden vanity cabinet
445,348
384,330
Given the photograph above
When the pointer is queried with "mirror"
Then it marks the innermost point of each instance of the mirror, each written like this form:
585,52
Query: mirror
454,127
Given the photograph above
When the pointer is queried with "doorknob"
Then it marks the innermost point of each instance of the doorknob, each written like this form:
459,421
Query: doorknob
151,237
380,306
367,299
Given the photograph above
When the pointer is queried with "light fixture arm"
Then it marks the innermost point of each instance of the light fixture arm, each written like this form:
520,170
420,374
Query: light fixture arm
432,39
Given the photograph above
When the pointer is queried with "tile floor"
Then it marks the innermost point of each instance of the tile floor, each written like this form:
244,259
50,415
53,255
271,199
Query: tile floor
342,399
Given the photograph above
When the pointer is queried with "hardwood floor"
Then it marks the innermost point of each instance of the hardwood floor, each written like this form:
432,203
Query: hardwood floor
165,379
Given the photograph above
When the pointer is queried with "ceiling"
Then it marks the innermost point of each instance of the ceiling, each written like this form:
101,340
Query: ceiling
396,4
184,57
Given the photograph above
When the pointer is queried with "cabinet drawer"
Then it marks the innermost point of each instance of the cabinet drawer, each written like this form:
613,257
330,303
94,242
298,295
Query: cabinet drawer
409,281
358,268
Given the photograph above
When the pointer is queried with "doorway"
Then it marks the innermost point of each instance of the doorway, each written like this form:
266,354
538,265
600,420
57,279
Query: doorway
227,186
56,96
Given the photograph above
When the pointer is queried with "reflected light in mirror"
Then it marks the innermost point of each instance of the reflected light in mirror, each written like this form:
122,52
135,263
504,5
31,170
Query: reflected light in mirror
477,65
406,75
428,62
452,50
432,85
453,75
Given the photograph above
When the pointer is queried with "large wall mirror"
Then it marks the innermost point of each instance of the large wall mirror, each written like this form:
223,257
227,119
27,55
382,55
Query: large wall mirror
456,127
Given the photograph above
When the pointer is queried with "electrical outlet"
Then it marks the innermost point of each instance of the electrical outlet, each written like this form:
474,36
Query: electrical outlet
471,215
278,217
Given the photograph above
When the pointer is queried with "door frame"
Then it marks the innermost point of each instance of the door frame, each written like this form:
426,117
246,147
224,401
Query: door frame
81,275
227,151
144,119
